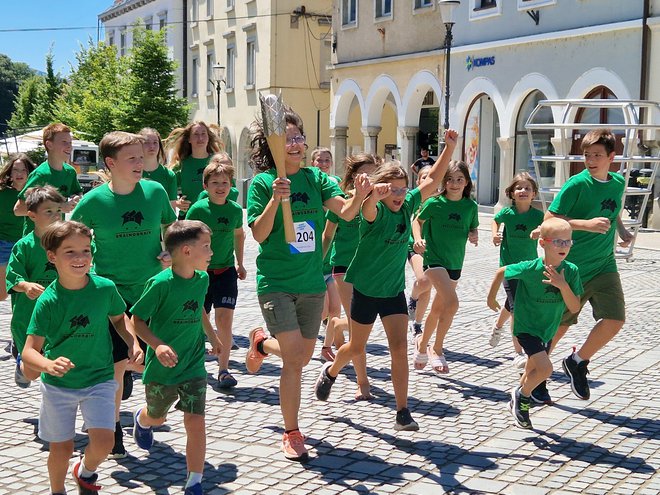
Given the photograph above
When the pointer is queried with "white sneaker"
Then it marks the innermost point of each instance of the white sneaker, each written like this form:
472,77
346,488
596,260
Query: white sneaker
519,361
495,336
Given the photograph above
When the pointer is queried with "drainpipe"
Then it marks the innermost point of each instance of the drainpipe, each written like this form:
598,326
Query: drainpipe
643,75
184,56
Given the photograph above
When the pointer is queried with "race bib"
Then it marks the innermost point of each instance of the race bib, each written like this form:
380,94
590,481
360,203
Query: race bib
305,238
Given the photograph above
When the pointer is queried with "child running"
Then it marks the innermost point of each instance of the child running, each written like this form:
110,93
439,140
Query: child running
377,273
546,287
12,180
516,243
225,219
173,304
70,326
447,221
290,285
343,238
29,272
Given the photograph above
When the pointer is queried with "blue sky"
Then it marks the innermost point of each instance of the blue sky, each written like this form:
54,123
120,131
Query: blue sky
31,46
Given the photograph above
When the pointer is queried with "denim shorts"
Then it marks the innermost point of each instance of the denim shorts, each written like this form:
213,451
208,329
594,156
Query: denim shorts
59,406
5,251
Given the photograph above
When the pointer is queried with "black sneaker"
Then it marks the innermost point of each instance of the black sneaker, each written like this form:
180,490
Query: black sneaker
118,450
540,394
519,407
86,486
404,421
412,307
128,385
577,372
324,383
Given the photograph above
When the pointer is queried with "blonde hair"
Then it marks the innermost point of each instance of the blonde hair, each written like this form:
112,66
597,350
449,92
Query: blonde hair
220,163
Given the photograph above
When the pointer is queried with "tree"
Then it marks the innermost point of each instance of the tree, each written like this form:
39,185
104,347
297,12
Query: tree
149,92
49,91
26,103
11,75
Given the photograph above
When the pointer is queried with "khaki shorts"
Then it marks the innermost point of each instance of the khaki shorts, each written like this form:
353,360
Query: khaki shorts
284,312
605,294
191,395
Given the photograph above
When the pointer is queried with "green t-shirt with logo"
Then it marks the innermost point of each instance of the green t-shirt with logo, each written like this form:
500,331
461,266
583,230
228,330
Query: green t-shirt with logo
28,263
165,177
222,220
190,176
378,267
516,244
295,267
74,324
127,230
174,305
583,197
346,240
11,226
539,306
446,227
65,181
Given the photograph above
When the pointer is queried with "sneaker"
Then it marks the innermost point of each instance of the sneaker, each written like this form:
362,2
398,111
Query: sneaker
324,383
254,358
144,437
495,336
577,372
86,486
128,385
519,407
195,489
19,377
118,450
327,355
404,421
520,361
293,446
540,394
226,380
412,308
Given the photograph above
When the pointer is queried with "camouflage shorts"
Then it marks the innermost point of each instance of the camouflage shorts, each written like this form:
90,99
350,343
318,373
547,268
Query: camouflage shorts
191,395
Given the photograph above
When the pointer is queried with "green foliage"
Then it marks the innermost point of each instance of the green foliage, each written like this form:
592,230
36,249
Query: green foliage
11,76
37,155
49,91
26,103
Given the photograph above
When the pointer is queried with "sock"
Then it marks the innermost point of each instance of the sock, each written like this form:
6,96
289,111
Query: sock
118,431
327,373
413,300
84,472
193,479
577,358
260,347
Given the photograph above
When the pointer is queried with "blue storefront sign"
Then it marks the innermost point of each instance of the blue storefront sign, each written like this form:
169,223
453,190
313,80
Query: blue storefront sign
472,62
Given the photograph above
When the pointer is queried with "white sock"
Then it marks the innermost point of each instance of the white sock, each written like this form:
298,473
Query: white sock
193,479
577,358
84,472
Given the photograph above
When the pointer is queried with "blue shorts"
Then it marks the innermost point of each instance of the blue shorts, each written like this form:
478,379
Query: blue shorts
223,289
5,251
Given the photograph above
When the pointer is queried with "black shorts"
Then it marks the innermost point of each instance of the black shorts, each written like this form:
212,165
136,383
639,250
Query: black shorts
532,344
223,289
339,270
510,287
364,309
119,347
453,274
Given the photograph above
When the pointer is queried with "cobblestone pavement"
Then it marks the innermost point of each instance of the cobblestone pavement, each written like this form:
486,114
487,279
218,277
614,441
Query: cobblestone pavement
466,442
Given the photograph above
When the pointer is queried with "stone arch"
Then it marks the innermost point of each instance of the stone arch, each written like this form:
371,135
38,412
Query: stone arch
417,88
599,76
379,91
342,102
528,84
474,89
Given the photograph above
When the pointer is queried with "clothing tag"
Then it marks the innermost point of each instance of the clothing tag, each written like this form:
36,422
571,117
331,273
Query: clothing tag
305,241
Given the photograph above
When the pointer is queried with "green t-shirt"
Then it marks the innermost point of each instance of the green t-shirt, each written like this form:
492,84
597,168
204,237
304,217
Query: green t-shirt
446,227
222,220
127,229
65,181
539,306
174,305
165,177
346,240
516,244
583,197
74,324
378,267
190,175
28,263
298,267
11,226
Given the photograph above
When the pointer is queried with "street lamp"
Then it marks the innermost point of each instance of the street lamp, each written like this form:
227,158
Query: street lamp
218,77
447,8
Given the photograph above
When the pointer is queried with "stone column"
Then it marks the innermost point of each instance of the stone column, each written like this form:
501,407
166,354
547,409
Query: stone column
407,136
506,169
371,139
338,138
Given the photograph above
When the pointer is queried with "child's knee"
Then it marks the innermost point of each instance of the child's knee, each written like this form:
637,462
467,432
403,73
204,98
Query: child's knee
101,440
424,284
194,422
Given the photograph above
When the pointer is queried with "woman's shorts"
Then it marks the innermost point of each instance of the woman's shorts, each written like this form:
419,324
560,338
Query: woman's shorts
365,309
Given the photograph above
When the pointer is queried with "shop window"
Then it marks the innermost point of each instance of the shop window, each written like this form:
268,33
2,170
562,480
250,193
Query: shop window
541,138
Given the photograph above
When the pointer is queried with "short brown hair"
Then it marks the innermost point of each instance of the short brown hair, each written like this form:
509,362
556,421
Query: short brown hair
113,141
184,232
519,177
220,163
36,196
599,136
56,233
48,133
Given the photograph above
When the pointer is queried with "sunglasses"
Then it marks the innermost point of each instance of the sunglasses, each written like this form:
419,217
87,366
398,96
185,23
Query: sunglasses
560,243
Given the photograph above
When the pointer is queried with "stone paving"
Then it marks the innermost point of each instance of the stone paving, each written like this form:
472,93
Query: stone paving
466,442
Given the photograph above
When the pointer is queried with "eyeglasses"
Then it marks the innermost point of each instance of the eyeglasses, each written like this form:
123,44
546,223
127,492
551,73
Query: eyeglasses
560,243
399,191
295,139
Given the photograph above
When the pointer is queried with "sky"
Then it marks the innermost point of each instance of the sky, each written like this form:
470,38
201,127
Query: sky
18,17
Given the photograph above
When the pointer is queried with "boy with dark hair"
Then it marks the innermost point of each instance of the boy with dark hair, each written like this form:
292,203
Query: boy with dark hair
591,201
70,324
173,302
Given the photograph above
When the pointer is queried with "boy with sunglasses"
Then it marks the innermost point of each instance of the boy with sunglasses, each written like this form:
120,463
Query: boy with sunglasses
546,287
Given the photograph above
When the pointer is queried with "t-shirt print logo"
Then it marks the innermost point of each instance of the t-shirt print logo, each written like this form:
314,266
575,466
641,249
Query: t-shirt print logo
49,266
401,228
190,305
79,321
455,216
551,289
521,226
200,171
64,189
303,197
608,204
133,216
223,220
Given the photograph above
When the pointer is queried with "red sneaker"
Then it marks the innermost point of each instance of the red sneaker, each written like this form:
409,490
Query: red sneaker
254,358
86,486
293,446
